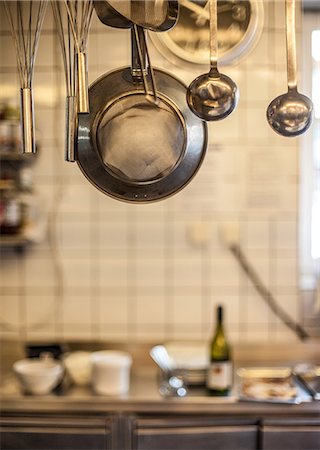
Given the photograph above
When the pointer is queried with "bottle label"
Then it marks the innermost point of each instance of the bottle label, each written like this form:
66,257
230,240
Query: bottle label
219,375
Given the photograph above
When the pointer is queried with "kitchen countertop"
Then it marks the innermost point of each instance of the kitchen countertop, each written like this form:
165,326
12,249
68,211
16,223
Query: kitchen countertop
144,397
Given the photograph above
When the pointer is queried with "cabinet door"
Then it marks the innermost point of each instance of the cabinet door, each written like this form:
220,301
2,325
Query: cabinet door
194,436
39,434
291,435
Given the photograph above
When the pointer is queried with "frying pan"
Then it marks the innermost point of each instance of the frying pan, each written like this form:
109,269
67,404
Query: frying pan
133,150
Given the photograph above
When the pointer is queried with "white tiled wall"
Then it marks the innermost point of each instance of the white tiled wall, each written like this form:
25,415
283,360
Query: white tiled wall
108,270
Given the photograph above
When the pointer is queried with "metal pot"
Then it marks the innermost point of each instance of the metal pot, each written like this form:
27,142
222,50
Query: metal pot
134,150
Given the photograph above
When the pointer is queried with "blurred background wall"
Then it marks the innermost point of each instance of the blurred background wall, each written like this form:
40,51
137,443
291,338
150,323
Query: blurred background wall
102,269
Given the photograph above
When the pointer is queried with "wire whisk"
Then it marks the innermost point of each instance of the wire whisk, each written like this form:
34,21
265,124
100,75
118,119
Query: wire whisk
80,15
68,52
26,19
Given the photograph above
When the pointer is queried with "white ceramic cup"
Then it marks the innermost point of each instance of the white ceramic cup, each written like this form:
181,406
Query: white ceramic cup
111,372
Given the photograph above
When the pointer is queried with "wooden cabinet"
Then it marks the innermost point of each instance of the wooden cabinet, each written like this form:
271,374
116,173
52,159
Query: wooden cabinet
291,434
55,434
138,431
194,434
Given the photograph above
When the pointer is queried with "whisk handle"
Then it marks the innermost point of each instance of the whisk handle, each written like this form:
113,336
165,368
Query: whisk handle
71,129
27,121
83,97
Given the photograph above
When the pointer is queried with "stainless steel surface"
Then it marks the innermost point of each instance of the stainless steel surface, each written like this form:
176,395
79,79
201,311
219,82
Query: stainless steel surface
109,16
154,15
290,114
27,121
104,94
213,96
143,395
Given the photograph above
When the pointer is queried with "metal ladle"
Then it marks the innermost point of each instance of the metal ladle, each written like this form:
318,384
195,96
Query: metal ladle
290,114
212,96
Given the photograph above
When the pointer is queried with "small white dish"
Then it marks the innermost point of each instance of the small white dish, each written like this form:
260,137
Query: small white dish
38,376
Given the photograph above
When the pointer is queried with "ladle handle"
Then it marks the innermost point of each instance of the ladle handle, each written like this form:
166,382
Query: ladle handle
291,44
213,34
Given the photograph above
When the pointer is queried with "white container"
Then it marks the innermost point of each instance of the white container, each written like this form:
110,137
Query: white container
38,376
111,372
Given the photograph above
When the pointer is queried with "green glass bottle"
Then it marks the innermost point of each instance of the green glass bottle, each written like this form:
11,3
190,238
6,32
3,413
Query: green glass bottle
219,373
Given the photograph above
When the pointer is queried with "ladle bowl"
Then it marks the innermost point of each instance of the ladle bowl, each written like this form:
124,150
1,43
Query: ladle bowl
290,114
212,96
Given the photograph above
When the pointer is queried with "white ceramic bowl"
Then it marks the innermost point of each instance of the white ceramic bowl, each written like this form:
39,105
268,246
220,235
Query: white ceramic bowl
38,376
78,365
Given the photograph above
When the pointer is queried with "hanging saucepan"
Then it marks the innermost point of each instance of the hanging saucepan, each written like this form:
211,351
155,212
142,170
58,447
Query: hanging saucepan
154,15
109,16
136,150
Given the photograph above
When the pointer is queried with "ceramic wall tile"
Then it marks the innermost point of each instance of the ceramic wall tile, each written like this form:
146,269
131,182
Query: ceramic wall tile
10,317
41,311
286,272
112,271
113,306
115,45
83,306
8,54
186,309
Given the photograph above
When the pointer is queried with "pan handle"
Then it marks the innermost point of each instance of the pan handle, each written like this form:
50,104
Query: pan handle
137,64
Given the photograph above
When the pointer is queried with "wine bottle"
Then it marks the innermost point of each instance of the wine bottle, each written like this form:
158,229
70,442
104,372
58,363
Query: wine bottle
219,373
